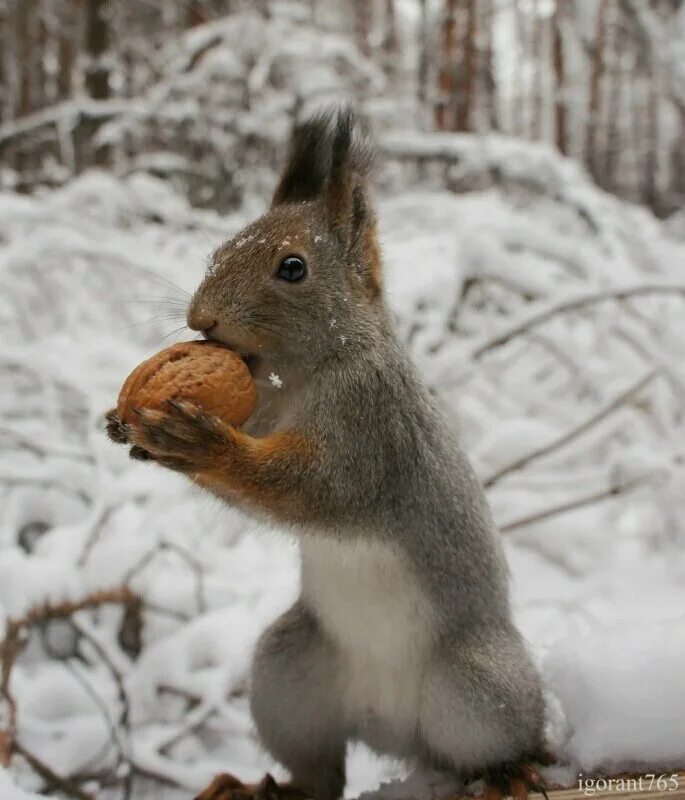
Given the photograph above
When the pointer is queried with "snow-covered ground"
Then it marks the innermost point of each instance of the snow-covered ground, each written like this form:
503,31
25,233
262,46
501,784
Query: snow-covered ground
546,315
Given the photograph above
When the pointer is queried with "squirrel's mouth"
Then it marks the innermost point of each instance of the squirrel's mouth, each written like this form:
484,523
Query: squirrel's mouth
251,359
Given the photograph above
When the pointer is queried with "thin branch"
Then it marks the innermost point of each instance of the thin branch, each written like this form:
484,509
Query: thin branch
124,747
15,637
575,432
51,778
571,304
41,450
572,505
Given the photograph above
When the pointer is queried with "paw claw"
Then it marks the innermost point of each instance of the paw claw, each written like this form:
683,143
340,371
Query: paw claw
139,454
117,430
514,780
228,787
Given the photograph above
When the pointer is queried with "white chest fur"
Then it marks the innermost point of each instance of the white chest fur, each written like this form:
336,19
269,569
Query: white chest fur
370,605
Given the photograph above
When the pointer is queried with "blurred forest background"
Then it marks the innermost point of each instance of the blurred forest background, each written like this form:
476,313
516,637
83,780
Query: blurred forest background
88,82
531,206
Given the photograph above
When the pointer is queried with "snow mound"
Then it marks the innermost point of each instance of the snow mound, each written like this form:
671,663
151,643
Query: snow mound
610,704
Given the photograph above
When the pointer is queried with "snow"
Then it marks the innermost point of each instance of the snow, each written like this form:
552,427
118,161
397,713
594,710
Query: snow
95,276
610,705
9,790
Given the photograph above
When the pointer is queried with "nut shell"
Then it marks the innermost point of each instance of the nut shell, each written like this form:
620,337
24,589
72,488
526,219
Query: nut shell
204,373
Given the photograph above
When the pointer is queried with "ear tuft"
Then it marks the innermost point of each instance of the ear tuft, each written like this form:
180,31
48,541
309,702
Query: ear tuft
322,150
308,163
330,159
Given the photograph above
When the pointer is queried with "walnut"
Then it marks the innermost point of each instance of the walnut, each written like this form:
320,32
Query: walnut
204,373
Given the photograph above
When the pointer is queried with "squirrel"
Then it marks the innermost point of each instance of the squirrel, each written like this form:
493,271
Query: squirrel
402,636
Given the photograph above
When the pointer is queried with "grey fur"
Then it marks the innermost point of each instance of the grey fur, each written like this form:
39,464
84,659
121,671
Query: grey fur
392,494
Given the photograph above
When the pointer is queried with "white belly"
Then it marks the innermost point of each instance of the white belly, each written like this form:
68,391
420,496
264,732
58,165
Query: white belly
369,603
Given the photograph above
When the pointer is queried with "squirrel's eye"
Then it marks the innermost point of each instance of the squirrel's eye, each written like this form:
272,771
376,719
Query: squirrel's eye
292,269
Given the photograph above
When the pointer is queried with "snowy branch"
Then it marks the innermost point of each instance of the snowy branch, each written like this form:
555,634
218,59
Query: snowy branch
573,505
570,304
561,441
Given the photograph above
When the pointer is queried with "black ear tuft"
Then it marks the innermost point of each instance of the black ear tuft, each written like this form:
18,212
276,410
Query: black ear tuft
351,146
330,160
308,164
351,159
326,150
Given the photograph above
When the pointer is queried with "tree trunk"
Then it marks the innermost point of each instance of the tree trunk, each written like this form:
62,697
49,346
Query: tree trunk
517,90
651,161
488,68
446,71
40,76
97,36
422,75
466,84
595,96
536,105
23,56
560,132
196,14
677,164
362,25
390,41
65,57
4,83
613,100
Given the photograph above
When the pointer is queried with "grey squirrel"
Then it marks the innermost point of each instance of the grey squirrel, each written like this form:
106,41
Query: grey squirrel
402,636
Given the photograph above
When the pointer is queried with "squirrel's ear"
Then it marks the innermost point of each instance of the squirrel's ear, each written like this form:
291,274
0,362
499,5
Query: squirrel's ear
330,159
307,167
348,207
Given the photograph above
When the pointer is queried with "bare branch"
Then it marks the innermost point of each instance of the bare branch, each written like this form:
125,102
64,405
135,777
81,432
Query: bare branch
586,425
572,505
15,636
571,304
51,778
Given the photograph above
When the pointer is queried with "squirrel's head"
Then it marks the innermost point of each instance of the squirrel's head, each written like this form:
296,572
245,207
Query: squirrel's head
303,281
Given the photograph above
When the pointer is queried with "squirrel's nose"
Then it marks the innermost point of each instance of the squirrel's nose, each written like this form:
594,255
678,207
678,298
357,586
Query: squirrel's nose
201,318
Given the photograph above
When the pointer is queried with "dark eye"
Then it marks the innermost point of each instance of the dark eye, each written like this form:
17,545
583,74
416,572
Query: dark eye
292,269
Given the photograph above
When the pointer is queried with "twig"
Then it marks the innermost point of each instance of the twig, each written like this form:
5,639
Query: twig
51,778
574,433
571,304
45,483
197,568
193,563
15,634
100,519
572,505
124,747
114,739
651,356
44,452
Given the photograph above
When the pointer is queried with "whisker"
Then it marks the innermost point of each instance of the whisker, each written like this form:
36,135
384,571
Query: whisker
159,318
155,277
166,300
174,332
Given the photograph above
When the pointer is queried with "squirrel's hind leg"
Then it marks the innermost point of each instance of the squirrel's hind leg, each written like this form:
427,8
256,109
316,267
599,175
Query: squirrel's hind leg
515,780
228,787
296,705
481,704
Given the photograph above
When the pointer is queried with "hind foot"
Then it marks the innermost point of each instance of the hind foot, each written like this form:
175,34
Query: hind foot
513,779
228,787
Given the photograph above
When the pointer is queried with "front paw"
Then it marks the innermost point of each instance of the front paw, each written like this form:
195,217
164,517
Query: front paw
117,430
184,438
